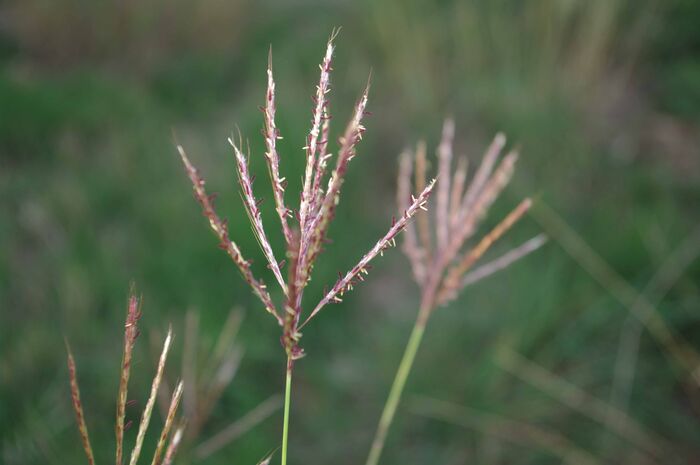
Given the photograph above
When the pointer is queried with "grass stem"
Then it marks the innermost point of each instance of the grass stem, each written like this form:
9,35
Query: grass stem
397,387
287,403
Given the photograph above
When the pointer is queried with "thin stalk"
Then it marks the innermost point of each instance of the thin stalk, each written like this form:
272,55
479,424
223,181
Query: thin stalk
287,403
397,387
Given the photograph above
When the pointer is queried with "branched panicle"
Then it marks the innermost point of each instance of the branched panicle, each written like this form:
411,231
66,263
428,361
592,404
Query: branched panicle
456,220
316,210
458,215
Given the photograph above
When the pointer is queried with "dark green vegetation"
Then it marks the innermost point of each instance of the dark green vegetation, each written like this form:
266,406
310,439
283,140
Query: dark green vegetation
602,96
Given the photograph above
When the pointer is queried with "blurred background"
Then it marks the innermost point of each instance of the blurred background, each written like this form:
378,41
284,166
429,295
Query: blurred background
543,363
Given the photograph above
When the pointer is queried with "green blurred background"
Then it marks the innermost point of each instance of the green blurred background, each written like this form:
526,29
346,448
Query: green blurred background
602,96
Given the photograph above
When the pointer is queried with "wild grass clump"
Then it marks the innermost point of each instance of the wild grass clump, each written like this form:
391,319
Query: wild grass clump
162,455
440,266
305,228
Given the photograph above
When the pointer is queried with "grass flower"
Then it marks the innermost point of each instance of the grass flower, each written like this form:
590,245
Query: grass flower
131,332
304,229
440,266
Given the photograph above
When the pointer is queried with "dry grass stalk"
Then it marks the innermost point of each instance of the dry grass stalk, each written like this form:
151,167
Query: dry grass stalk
169,420
675,344
577,399
440,268
504,261
146,416
315,213
78,407
174,445
131,332
204,386
238,428
515,431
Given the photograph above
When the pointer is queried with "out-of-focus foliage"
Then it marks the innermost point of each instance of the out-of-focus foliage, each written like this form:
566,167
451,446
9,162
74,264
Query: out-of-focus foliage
602,96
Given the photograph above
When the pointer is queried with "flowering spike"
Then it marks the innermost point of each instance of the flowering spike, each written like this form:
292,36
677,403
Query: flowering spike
423,225
78,407
483,173
313,235
220,229
133,314
312,145
458,181
451,283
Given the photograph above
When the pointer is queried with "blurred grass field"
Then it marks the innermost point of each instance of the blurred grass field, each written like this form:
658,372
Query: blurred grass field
602,96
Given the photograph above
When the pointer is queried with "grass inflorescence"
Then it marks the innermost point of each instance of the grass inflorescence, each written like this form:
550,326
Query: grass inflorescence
305,228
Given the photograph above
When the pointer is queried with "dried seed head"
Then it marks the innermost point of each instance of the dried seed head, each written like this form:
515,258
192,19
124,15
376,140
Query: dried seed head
458,215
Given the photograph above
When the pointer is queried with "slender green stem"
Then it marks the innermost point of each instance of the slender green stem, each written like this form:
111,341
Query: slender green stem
392,401
287,403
